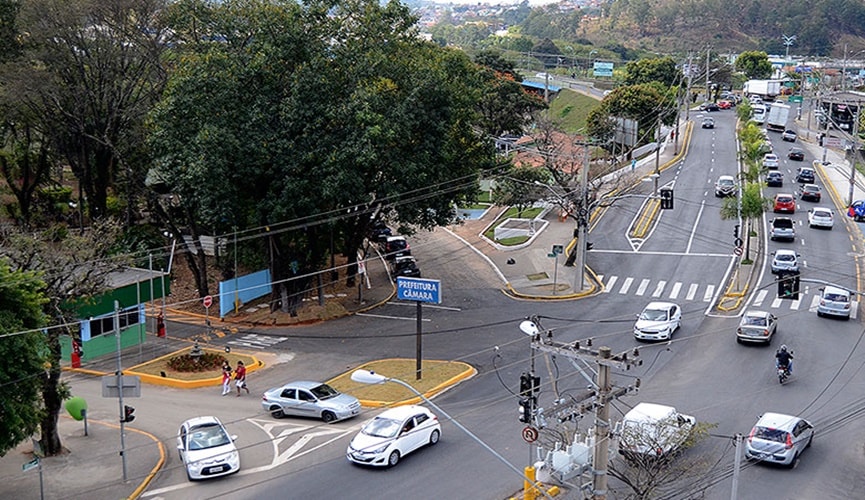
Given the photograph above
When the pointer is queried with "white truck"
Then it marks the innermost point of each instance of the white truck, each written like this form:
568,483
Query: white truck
652,430
766,89
776,119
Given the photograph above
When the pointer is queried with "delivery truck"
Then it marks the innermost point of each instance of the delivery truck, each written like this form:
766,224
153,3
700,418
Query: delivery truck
766,89
776,119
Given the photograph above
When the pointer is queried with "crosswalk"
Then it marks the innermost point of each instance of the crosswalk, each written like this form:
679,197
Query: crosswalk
702,292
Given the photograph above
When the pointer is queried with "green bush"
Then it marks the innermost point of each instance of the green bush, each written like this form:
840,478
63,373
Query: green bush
206,362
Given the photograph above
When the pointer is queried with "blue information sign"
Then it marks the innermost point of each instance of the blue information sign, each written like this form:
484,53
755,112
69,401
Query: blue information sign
419,290
603,68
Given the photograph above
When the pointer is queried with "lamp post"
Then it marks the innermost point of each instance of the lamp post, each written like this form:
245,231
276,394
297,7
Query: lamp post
788,41
370,377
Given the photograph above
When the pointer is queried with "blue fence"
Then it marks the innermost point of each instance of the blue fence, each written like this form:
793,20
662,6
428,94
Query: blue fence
242,290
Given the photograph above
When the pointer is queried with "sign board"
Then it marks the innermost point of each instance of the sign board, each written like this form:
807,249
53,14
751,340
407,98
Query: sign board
794,98
832,142
131,386
419,290
603,68
530,434
31,464
558,249
207,301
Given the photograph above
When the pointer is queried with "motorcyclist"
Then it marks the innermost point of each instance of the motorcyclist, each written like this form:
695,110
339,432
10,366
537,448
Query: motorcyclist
784,359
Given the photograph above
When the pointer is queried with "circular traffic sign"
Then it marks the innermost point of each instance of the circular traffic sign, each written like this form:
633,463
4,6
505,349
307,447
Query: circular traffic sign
737,251
207,301
530,434
738,241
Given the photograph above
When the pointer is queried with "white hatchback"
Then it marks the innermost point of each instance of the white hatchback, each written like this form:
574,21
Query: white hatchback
206,449
821,217
771,161
393,434
658,321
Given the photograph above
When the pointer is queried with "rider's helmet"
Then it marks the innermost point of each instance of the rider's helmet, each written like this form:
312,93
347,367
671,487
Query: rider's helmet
783,348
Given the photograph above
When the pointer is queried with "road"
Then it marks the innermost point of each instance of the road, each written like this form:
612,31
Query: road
685,258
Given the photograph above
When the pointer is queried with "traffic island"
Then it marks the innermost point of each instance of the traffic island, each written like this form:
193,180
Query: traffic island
160,372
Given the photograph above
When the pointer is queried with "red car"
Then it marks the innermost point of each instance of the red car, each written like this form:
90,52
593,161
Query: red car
784,203
725,104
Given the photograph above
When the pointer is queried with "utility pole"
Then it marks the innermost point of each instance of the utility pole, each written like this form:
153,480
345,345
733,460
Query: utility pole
658,147
688,92
737,462
854,151
604,391
708,53
582,222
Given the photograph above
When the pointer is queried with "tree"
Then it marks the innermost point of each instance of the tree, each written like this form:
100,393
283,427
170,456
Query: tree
754,64
25,164
519,187
70,265
505,106
22,346
662,69
645,103
753,205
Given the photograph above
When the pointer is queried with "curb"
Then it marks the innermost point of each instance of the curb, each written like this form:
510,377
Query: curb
466,374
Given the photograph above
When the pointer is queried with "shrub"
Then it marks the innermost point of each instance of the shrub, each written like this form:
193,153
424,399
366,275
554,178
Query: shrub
206,362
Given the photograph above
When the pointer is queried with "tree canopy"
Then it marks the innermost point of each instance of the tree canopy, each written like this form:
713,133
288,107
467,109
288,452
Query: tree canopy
754,64
662,69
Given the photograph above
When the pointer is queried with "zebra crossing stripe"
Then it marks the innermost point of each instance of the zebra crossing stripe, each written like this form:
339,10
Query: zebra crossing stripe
710,291
626,285
642,288
692,291
609,287
659,289
761,296
675,292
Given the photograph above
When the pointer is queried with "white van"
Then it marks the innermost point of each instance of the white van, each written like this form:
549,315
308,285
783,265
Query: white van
758,113
653,430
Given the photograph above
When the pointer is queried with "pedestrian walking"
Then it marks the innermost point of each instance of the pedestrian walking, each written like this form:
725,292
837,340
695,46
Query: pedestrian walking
240,378
226,378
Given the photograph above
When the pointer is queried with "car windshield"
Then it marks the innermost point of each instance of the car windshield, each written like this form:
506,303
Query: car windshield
782,223
207,436
382,427
768,434
754,321
822,213
835,297
654,315
725,182
324,391
784,199
785,257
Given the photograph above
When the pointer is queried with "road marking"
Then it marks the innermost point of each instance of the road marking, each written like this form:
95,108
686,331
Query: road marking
692,291
674,293
255,341
610,284
776,303
710,291
389,317
642,288
794,305
659,289
626,285
815,301
696,222
761,296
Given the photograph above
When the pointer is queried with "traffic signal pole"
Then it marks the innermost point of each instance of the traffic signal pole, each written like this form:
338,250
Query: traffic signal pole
120,389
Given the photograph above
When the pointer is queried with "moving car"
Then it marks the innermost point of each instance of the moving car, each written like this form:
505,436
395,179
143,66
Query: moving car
393,434
782,228
712,107
396,246
785,260
206,449
778,438
774,179
658,321
788,135
810,192
757,326
805,175
653,430
405,266
725,104
708,123
310,399
796,154
834,301
784,203
821,217
725,186
770,161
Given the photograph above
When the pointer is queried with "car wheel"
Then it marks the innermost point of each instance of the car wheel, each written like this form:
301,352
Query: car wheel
738,340
189,476
819,314
794,462
276,412
328,416
393,458
809,441
434,437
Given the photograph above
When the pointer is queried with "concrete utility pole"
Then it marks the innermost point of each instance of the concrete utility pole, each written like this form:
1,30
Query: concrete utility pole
582,222
737,462
688,93
708,54
604,358
854,152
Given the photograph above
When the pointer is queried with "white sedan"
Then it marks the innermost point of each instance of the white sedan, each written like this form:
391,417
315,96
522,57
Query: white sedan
393,434
821,217
771,161
206,449
658,321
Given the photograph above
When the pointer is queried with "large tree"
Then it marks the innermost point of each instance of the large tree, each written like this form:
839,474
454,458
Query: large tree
754,64
22,348
661,69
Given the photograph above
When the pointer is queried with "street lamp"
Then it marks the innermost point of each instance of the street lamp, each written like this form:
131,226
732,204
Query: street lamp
370,377
788,41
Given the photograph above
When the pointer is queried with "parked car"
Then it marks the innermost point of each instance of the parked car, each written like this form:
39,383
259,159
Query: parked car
393,434
785,260
821,217
810,192
712,107
784,203
396,246
310,399
856,211
405,266
724,104
658,321
805,175
834,301
774,179
778,438
379,232
206,449
708,122
788,135
725,186
796,154
782,228
757,326
770,161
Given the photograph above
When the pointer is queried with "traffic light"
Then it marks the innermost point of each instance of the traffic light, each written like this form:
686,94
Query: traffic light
526,410
666,199
788,286
589,245
525,384
736,231
128,414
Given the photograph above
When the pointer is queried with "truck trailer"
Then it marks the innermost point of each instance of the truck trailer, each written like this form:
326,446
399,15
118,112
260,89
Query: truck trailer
766,89
776,119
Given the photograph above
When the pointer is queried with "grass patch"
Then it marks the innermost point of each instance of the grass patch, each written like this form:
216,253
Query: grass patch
157,366
435,373
511,213
516,240
537,276
572,108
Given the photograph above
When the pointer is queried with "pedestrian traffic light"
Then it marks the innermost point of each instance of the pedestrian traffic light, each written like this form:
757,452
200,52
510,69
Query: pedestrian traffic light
526,410
128,414
666,199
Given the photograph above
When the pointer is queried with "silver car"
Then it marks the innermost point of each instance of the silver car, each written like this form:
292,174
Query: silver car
310,399
834,301
821,217
779,438
785,260
757,326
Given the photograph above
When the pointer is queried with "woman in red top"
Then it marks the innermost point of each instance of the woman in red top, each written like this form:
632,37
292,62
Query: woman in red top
240,377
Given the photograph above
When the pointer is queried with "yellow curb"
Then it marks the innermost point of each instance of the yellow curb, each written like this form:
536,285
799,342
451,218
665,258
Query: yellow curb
466,374
187,384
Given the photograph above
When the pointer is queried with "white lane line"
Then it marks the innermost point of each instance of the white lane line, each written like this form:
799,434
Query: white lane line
761,296
626,285
710,290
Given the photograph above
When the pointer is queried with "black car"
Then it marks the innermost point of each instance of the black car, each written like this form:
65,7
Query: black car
805,176
708,123
405,266
712,107
775,179
796,154
396,246
379,232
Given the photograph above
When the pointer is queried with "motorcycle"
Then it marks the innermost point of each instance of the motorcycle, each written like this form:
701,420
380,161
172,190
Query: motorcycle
783,373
